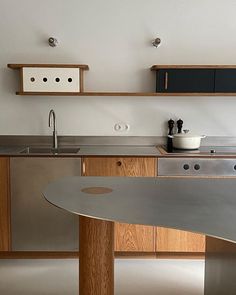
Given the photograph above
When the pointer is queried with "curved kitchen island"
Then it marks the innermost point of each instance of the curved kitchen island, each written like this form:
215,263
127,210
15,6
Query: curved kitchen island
206,206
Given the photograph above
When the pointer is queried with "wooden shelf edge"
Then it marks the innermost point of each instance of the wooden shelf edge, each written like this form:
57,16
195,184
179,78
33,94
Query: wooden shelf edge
38,255
119,255
157,94
159,67
19,66
180,255
135,255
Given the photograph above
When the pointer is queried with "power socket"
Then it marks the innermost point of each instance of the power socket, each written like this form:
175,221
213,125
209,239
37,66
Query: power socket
121,127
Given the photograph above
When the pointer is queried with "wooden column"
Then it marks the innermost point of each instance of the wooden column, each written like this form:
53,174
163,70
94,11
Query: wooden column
96,257
220,267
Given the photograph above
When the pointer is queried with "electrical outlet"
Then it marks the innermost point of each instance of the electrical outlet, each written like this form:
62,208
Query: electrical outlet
121,127
51,79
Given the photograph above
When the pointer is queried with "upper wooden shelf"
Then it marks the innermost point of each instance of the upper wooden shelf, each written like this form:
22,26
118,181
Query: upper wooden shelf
82,92
159,67
19,66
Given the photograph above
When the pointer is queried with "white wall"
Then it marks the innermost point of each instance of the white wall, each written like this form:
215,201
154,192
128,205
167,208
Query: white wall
113,38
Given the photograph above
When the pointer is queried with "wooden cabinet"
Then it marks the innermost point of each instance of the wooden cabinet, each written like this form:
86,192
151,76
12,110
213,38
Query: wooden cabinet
139,238
172,240
69,78
185,80
128,237
5,230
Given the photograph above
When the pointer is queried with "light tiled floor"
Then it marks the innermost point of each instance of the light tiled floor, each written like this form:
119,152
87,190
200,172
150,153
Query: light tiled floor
162,277
132,277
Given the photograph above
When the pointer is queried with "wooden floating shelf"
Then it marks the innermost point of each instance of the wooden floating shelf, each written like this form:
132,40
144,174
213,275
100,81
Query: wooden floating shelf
159,67
122,94
81,92
19,66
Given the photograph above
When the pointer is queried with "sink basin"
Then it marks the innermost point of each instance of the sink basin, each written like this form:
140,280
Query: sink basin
48,150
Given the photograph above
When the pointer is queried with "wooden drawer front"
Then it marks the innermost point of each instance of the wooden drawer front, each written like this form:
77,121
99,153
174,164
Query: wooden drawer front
4,205
172,240
118,166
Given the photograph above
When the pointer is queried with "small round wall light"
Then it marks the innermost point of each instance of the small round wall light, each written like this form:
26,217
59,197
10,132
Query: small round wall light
53,42
156,42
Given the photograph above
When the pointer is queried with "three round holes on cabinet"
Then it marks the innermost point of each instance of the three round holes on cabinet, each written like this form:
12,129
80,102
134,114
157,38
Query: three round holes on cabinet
45,79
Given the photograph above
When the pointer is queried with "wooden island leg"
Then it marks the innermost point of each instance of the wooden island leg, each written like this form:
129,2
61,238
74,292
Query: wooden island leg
220,267
96,257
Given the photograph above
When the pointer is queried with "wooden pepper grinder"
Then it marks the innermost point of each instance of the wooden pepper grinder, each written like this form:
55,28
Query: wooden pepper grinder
179,125
171,124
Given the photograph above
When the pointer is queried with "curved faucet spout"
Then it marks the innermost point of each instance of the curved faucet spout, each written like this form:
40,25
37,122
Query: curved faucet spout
52,120
52,115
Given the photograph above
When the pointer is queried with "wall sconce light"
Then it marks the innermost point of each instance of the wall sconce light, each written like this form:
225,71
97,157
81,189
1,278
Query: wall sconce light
53,42
156,42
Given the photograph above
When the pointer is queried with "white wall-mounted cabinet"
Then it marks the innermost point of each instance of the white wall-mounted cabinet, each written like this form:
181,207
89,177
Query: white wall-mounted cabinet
51,79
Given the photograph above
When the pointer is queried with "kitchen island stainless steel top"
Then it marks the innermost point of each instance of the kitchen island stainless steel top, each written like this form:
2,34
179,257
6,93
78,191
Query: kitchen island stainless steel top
205,206
200,205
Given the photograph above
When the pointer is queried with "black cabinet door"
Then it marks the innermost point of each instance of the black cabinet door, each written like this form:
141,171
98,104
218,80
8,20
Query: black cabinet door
225,80
185,80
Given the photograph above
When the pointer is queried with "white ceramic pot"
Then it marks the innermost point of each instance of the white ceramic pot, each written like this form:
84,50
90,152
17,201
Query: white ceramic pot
186,141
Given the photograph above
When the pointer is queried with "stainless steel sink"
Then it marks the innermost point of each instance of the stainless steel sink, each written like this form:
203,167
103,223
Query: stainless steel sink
48,150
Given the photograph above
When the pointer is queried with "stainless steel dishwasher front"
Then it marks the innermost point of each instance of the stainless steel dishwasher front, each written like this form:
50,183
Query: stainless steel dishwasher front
36,224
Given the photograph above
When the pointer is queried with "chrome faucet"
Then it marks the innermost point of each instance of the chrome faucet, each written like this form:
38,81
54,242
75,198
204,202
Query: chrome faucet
53,115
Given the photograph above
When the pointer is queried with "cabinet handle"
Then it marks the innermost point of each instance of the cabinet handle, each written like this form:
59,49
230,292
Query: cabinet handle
166,80
83,168
118,163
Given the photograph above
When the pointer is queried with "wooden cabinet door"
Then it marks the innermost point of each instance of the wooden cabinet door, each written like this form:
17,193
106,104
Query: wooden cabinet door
128,237
172,240
185,80
5,232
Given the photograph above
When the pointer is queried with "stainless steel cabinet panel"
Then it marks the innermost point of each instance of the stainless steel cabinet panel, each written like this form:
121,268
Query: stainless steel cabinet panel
196,167
36,224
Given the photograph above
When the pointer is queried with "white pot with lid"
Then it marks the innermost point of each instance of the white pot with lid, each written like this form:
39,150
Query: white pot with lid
186,140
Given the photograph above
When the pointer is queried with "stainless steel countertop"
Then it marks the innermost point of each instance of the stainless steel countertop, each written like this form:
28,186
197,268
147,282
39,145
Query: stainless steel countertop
124,150
89,151
101,145
206,206
89,145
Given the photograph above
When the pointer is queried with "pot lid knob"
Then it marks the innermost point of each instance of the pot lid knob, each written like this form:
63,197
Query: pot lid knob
186,131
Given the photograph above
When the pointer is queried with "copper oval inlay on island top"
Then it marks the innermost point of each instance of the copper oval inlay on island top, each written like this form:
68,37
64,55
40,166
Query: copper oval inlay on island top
97,190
